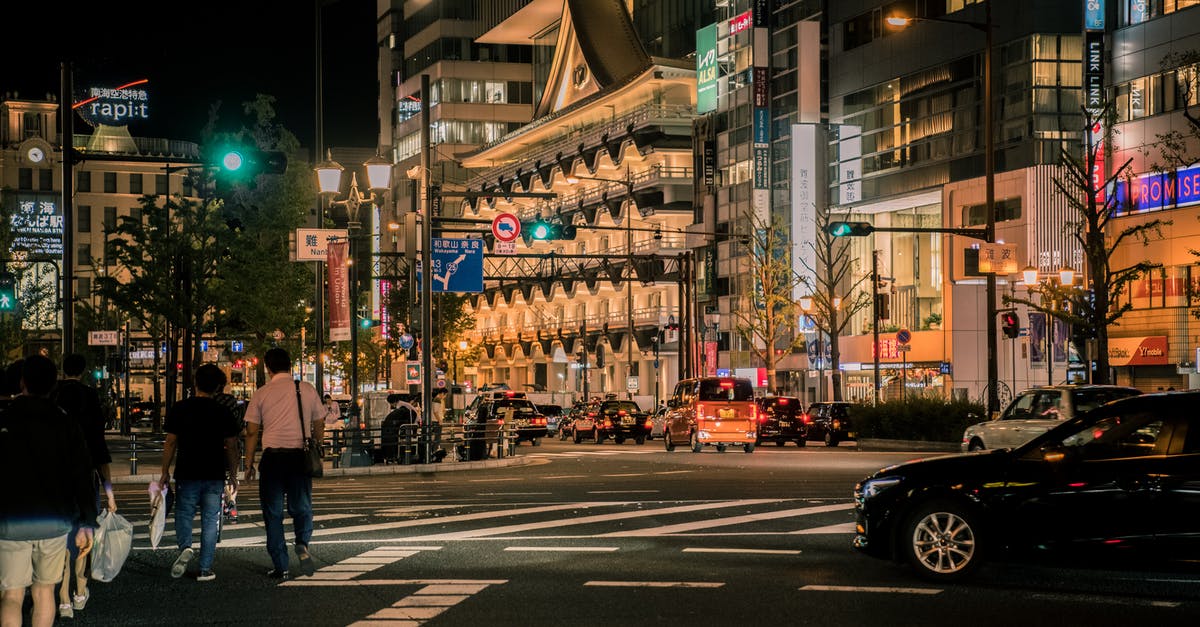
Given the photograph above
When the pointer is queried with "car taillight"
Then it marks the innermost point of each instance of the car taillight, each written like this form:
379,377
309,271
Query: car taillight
591,414
621,412
805,418
699,411
607,423
783,401
649,423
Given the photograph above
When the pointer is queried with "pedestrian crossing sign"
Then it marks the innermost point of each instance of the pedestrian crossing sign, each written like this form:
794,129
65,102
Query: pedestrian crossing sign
8,292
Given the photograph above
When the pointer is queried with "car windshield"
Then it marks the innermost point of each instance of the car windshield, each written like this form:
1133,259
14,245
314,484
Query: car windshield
627,407
726,390
509,409
782,407
1087,400
550,410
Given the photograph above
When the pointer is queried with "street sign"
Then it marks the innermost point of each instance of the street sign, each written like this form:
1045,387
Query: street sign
405,341
457,265
412,372
312,244
903,336
441,384
506,227
235,346
631,384
104,338
8,292
903,348
504,248
203,346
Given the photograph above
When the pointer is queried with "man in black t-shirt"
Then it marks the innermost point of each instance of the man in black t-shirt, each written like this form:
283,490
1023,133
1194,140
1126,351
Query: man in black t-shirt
204,433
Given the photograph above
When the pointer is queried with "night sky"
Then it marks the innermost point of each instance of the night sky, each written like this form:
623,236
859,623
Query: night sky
196,54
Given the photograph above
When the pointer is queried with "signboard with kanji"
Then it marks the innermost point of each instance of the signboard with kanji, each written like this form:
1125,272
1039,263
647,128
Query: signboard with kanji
998,259
312,244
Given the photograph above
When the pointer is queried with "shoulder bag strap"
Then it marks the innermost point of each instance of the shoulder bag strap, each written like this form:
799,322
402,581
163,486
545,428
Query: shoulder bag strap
300,410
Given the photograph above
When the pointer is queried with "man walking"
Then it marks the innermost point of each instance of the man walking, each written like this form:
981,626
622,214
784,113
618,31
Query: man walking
205,435
82,404
39,443
284,412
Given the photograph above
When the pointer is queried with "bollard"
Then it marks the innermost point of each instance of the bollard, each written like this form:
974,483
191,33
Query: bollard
500,444
133,460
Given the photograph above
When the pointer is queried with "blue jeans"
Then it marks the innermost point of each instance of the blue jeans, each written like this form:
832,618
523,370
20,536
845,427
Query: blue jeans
205,493
281,474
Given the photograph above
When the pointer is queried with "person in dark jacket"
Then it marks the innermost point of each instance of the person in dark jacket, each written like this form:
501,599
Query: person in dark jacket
81,402
51,491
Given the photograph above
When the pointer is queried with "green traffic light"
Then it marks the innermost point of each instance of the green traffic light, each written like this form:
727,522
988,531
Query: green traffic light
232,161
540,230
8,293
841,229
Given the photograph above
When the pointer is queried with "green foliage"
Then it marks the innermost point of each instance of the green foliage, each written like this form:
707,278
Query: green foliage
929,419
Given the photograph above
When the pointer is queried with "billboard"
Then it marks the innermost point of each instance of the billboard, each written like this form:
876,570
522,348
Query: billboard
706,69
36,223
115,106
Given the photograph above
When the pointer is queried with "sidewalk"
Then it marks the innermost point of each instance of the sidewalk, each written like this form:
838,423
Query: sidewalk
148,464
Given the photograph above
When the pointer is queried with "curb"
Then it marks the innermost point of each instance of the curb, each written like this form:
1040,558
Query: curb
379,469
920,446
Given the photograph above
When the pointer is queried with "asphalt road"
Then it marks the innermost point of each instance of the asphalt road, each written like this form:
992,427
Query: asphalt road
605,534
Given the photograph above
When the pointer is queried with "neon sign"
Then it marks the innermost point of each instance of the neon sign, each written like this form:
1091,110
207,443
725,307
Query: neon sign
1158,191
115,106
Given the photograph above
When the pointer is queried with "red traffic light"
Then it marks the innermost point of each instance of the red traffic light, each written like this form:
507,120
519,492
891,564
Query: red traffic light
1010,323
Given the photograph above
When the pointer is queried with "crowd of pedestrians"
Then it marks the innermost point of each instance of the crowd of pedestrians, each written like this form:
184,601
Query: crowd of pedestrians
52,435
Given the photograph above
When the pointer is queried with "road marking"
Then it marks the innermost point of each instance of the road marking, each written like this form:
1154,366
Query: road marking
756,551
672,472
832,529
564,477
511,493
626,474
622,491
723,522
496,480
584,520
655,584
310,583
364,563
426,603
581,549
884,589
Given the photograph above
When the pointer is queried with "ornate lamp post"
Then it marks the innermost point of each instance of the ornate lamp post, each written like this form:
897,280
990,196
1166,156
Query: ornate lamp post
329,178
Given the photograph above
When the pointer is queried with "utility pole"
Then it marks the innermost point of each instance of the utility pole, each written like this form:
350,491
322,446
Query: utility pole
426,277
875,317
66,119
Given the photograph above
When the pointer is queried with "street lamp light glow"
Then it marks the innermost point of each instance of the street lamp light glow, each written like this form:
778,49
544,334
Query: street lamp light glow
379,172
1029,275
329,175
898,21
1066,276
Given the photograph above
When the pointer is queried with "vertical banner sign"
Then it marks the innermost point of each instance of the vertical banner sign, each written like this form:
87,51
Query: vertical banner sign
760,199
1093,14
849,163
385,316
710,359
805,190
1093,87
339,291
710,163
706,69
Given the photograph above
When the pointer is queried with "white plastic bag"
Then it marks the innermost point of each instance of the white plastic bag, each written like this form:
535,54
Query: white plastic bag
158,514
113,540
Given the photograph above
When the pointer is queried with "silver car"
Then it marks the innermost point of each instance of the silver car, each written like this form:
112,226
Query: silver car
1035,411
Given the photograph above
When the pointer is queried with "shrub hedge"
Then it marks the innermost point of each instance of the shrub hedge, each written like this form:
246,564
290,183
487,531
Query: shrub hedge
921,418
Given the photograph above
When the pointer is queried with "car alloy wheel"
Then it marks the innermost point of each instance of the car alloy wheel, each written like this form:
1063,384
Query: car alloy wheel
975,445
942,541
667,441
830,439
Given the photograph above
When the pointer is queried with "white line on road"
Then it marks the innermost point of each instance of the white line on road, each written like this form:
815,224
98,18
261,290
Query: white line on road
885,589
626,474
830,529
672,472
655,584
496,480
564,477
401,524
566,549
723,522
392,582
756,551
622,491
511,493
425,604
599,518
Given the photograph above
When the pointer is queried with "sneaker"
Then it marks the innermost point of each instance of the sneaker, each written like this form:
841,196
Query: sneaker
181,563
206,575
79,601
64,610
275,573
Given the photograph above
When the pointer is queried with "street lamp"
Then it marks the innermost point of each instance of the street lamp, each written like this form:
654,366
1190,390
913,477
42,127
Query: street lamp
1066,279
898,21
329,178
573,179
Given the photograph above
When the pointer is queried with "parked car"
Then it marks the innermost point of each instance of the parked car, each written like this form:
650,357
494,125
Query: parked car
712,411
554,415
1036,410
658,423
830,421
781,419
621,420
1119,480
584,420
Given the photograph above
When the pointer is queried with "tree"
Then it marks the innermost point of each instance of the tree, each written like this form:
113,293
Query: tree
766,316
836,294
451,318
1092,310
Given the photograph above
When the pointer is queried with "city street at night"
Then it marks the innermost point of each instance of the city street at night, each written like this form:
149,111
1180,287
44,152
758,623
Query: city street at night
592,535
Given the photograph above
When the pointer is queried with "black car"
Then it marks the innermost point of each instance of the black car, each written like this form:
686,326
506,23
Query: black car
830,422
622,420
555,415
781,419
1118,481
518,414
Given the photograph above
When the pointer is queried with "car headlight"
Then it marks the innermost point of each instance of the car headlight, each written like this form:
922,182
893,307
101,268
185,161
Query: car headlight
874,487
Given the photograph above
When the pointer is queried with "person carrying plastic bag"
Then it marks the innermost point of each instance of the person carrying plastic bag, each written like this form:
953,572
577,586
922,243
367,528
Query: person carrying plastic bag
114,540
38,441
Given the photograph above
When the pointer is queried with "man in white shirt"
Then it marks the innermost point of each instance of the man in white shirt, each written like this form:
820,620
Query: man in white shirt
273,413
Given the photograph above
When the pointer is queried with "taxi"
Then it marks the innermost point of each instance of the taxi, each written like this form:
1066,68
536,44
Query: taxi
712,411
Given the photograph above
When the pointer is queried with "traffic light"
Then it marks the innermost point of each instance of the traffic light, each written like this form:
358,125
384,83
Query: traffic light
1010,323
243,163
367,323
8,292
544,231
849,229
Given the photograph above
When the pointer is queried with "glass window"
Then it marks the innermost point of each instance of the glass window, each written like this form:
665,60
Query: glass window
83,181
110,182
161,187
83,219
110,218
46,180
1087,400
1117,436
726,390
24,178
1020,408
1046,405
83,254
135,183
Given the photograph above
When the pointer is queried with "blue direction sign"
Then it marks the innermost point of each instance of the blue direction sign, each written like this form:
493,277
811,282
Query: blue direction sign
457,264
235,346
406,341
